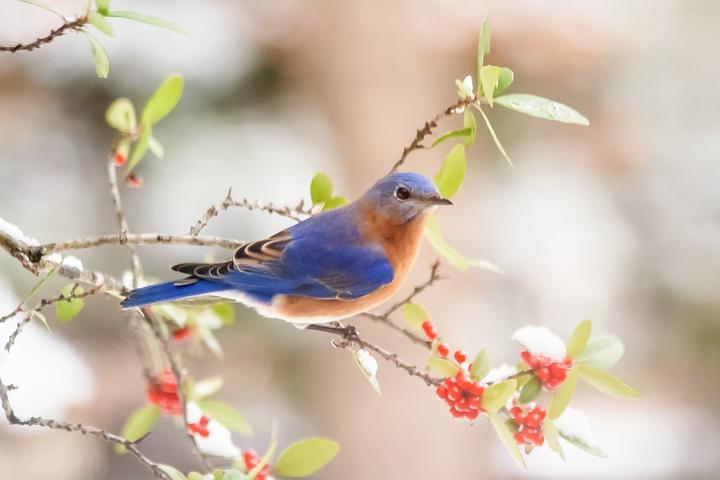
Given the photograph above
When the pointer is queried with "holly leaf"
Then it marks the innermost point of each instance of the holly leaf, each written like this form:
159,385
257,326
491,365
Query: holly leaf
414,315
102,62
148,19
163,100
121,115
530,390
443,366
227,415
602,352
506,437
579,338
541,108
305,457
99,22
452,172
67,309
497,394
139,423
563,395
551,434
480,366
606,383
321,188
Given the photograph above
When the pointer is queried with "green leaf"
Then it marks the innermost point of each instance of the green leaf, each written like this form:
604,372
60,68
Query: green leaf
506,437
321,188
45,6
205,388
443,366
602,352
465,132
606,383
414,315
200,476
563,395
483,44
141,147
156,147
149,19
163,100
138,424
530,390
172,472
38,286
480,366
494,136
579,338
506,79
550,432
99,22
227,415
542,108
103,6
334,202
489,77
225,312
121,115
102,62
305,457
442,247
452,172
41,317
67,309
470,122
497,394
584,446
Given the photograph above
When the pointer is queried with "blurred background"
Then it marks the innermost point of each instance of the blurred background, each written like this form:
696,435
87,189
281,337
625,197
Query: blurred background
618,222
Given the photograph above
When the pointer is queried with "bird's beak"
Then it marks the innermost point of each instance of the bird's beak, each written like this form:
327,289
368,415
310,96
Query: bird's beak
438,201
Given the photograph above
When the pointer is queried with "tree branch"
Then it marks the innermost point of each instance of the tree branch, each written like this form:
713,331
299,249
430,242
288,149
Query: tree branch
122,221
68,25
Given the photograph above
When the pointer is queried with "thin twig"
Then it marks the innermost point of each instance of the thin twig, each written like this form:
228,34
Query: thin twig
68,25
296,213
122,221
130,445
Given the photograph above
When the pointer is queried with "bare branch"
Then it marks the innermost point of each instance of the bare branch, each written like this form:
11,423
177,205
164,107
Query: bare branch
122,221
67,26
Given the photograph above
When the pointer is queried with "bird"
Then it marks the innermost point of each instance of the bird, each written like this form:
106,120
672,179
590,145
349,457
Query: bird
331,266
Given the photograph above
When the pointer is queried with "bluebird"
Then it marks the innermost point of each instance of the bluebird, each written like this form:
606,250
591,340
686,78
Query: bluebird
331,266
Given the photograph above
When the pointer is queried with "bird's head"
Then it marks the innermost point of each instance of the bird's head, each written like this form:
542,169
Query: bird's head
401,197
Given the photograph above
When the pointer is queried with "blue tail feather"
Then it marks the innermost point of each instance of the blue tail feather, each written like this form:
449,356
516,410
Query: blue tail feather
169,291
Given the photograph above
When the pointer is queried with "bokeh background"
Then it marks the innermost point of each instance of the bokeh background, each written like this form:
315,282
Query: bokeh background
618,222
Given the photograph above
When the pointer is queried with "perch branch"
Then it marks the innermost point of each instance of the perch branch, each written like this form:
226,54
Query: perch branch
68,25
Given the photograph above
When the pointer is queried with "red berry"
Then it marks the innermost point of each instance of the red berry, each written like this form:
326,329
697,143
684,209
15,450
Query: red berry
519,437
543,374
533,420
456,413
558,370
472,414
454,393
134,181
119,159
442,350
429,330
476,390
182,333
474,403
528,358
442,392
460,356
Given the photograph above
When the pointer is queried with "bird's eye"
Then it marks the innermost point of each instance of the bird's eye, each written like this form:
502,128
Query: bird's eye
402,193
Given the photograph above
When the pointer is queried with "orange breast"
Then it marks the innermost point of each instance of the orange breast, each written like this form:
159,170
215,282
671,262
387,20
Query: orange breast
401,245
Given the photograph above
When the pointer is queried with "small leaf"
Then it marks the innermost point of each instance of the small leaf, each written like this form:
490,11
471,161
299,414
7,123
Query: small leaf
138,424
480,366
172,472
156,147
579,338
442,247
506,79
163,100
67,309
465,132
227,415
335,202
102,62
564,394
225,312
530,390
38,286
41,317
494,136
200,476
489,76
321,188
506,437
584,446
205,388
602,352
497,394
542,108
149,19
470,122
141,147
121,115
414,315
483,44
99,22
452,172
103,6
305,457
606,383
550,432
443,366
45,6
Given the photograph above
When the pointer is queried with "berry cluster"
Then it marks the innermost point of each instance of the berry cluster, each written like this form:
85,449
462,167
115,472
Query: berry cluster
162,390
550,373
200,427
429,328
529,422
463,396
251,460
